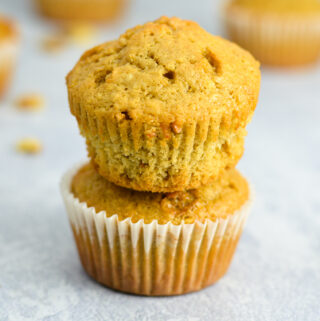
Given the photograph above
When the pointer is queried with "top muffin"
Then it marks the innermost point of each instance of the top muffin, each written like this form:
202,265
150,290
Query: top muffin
164,107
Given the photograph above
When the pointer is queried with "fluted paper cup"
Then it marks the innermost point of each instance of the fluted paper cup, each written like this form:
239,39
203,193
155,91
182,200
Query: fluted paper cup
284,40
152,259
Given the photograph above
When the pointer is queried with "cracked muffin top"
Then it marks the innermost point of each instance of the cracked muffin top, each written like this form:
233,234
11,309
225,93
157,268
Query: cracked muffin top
215,200
169,70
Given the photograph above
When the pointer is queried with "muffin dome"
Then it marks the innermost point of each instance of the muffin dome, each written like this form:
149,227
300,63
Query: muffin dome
164,107
216,200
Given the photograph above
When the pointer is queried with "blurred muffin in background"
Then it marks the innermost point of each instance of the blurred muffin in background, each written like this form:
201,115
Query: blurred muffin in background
277,32
165,107
81,10
8,52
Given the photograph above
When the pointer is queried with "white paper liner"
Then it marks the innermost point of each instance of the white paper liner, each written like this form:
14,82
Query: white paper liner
152,259
272,39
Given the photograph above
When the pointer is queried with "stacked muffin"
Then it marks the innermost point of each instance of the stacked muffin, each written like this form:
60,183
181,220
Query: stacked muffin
160,207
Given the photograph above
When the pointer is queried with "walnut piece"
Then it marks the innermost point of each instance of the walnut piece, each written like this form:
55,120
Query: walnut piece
31,101
29,146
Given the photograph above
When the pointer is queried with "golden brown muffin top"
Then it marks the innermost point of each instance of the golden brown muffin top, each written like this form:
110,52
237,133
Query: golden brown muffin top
281,6
165,71
218,199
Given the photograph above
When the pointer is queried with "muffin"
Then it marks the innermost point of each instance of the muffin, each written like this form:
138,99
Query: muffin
83,10
8,52
276,32
152,243
164,108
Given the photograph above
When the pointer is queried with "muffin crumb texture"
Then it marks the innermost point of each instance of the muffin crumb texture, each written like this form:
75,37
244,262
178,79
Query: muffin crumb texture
216,200
164,108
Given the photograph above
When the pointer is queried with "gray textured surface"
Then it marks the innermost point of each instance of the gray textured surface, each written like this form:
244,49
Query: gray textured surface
275,274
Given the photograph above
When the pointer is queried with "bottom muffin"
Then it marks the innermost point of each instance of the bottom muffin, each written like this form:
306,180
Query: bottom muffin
151,243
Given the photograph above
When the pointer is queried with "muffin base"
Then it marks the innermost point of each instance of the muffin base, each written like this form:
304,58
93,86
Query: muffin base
152,259
126,156
275,40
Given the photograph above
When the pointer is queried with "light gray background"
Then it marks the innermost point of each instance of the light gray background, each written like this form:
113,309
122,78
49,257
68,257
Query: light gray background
275,274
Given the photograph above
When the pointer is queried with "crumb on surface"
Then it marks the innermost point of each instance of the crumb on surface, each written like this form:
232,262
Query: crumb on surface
71,33
54,43
80,33
31,101
29,145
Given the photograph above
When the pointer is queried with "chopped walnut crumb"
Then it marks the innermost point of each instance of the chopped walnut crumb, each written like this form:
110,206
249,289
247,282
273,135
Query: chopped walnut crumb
29,146
166,131
176,128
31,101
151,133
167,205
